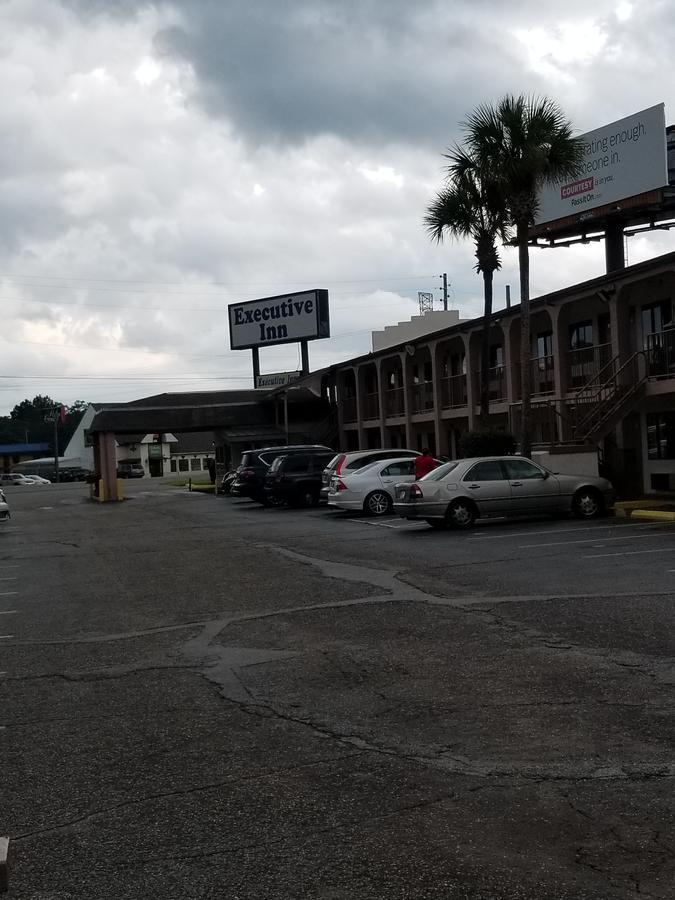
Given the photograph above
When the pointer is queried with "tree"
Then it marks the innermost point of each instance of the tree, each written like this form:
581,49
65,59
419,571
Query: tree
524,143
471,205
28,422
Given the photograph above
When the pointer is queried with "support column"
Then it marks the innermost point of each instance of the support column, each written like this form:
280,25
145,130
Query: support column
470,382
615,258
107,454
560,372
407,406
441,449
359,410
380,401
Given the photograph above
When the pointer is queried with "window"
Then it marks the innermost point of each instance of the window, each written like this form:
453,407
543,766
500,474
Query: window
441,471
195,465
661,435
581,335
407,467
490,470
296,463
183,465
173,465
521,469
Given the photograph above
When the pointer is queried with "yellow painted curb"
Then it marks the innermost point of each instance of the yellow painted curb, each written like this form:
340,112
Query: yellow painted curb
656,514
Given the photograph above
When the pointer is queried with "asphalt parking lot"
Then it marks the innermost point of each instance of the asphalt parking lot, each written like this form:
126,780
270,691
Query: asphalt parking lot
205,698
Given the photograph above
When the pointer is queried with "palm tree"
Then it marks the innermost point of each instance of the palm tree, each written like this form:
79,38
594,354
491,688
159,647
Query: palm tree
525,143
471,206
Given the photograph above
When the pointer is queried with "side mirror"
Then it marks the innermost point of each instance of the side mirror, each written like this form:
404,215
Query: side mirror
546,475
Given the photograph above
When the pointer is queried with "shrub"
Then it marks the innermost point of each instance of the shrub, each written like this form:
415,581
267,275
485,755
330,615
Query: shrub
487,443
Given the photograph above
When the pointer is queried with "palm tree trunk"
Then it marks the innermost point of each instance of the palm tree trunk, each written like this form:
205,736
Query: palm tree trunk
525,349
485,349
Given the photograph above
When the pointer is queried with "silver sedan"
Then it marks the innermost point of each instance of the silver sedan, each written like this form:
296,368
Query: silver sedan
461,491
5,514
371,489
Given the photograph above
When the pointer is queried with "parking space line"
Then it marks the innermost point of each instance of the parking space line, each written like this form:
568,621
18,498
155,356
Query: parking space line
633,537
630,553
6,637
9,578
502,535
7,612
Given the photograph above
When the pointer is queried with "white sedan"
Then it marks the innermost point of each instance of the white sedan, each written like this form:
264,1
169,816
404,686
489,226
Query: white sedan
371,489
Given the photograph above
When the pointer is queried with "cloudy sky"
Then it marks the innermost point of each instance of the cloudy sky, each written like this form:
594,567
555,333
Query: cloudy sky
161,160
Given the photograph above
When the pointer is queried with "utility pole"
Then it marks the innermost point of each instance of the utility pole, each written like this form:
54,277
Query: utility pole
445,291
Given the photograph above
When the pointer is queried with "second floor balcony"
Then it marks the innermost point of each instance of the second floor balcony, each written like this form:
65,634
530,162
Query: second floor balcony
453,392
371,406
394,402
422,398
584,363
660,352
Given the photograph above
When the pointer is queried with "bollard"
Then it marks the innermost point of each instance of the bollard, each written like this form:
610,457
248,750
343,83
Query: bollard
190,484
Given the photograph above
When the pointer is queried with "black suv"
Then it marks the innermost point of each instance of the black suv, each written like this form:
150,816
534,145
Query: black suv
255,463
296,479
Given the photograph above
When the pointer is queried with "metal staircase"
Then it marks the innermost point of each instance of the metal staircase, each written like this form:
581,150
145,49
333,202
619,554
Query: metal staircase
601,402
583,420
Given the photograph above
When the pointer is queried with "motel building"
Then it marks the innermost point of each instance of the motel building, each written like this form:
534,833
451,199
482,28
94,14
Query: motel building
603,380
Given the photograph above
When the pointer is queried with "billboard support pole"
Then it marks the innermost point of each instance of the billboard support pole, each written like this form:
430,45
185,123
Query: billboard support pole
614,253
304,350
255,353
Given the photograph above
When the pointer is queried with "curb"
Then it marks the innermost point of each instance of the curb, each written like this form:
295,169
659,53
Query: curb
658,515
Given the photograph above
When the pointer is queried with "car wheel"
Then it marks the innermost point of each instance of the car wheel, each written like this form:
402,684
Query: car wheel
461,514
587,503
377,504
437,524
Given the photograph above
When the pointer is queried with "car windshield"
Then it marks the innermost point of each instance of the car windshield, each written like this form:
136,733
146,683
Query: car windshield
277,463
439,473
334,461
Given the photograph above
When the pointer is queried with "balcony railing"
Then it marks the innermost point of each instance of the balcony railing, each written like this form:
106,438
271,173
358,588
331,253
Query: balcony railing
585,362
394,402
496,383
349,409
660,352
543,381
371,406
423,397
453,391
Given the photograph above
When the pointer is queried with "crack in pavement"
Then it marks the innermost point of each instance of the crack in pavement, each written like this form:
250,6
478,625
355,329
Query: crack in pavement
73,824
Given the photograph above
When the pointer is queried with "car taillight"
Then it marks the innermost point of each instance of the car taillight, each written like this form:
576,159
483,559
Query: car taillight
341,486
338,467
415,492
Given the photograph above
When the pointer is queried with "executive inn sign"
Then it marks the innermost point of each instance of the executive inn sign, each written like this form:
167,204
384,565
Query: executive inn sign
284,319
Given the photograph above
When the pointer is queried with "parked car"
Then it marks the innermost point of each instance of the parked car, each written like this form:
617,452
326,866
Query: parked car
459,492
372,488
37,479
130,470
347,463
15,479
295,479
5,514
255,463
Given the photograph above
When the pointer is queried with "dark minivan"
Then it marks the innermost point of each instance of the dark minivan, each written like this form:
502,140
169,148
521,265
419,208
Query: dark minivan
255,463
296,479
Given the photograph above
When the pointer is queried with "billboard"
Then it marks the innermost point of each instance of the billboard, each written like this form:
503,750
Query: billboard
620,160
285,319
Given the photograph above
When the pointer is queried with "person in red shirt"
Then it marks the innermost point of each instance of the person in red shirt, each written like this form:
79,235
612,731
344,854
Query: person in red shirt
424,464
